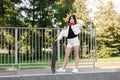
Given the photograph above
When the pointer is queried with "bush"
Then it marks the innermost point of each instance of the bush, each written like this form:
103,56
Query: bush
106,51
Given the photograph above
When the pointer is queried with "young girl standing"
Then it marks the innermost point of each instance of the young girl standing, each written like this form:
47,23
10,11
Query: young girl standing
71,32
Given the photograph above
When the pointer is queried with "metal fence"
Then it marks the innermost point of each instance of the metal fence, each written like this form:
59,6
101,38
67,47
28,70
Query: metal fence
24,46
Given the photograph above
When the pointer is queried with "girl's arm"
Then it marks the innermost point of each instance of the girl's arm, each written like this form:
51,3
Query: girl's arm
80,23
60,36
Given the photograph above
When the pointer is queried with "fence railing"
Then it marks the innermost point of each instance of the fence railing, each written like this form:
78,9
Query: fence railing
21,45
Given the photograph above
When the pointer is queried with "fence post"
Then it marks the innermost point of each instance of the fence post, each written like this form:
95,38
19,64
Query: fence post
16,45
58,46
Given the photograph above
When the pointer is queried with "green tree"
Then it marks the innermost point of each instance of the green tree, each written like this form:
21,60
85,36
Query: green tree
9,18
59,10
9,13
37,13
79,9
107,21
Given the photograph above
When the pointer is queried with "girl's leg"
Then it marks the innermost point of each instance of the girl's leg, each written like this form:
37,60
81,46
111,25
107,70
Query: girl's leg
67,54
76,54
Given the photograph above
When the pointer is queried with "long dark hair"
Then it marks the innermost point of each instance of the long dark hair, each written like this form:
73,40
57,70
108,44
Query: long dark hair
74,17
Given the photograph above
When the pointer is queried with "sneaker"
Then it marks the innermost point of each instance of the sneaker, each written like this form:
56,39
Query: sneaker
75,70
61,70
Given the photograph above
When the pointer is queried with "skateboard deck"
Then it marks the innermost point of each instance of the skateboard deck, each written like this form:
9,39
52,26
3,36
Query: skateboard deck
54,54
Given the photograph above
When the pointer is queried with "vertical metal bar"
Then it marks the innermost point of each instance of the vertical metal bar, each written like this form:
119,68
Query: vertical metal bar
21,32
26,48
95,58
8,47
1,46
16,45
89,42
19,50
39,45
42,30
45,46
32,45
5,48
95,46
85,45
29,44
58,48
12,47
91,45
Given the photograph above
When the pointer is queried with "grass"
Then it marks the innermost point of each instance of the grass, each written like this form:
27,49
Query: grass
101,62
111,61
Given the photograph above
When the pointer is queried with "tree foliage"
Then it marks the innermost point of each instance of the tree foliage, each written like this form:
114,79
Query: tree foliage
109,27
9,13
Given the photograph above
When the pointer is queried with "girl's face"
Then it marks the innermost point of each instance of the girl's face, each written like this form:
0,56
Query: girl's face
72,20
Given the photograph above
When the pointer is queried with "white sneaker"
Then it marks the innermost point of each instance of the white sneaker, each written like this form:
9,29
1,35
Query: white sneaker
75,70
61,70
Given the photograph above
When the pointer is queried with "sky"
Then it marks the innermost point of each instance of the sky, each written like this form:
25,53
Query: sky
93,3
90,4
117,5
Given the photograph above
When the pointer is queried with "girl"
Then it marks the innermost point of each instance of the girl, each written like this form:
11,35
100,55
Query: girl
71,31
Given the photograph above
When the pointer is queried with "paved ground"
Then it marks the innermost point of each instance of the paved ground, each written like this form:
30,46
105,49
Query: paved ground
29,72
107,73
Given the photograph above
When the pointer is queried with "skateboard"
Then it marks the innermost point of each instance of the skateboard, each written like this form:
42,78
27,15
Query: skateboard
54,54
